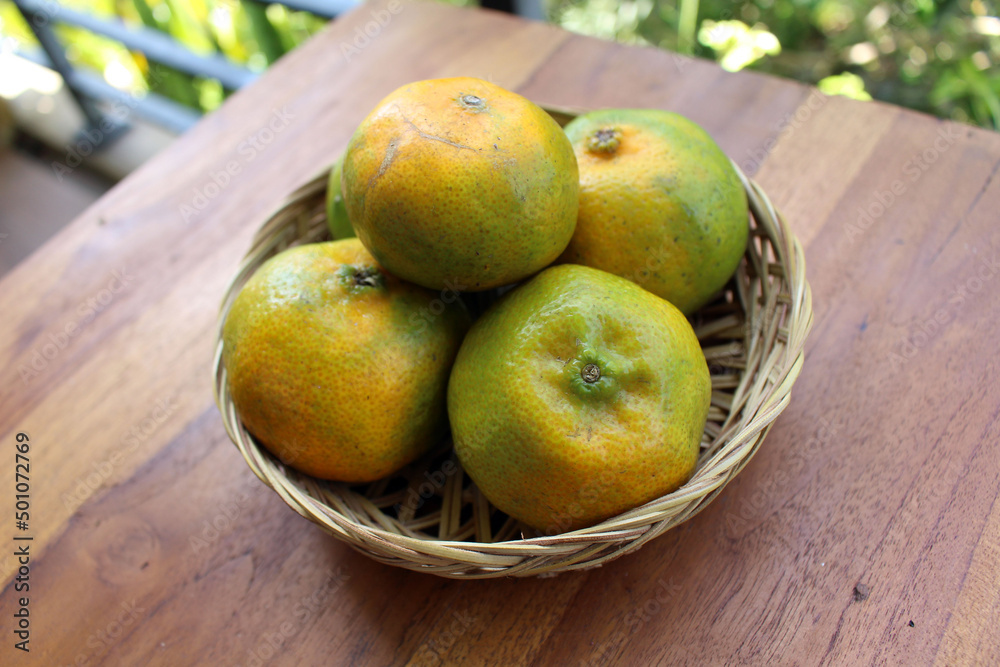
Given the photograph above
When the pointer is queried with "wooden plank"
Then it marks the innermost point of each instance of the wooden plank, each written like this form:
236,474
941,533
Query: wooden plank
154,544
972,633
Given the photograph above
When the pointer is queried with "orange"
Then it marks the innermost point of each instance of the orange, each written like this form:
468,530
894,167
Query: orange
577,396
336,212
460,183
660,204
338,367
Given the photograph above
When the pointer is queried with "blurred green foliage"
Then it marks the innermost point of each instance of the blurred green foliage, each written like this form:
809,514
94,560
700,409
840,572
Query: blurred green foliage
938,56
247,33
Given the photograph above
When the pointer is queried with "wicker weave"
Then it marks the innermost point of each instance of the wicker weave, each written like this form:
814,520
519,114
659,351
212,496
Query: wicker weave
430,517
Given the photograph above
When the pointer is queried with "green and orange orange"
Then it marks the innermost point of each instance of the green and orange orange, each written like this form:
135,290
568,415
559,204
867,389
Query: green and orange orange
458,181
327,369
660,204
577,396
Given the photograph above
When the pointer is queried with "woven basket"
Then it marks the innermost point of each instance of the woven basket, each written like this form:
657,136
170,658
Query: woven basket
430,517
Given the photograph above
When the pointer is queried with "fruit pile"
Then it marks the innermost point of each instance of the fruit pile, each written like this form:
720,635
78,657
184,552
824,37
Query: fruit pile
582,391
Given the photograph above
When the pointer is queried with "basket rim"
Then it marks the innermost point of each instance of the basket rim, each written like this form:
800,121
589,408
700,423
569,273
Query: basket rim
570,550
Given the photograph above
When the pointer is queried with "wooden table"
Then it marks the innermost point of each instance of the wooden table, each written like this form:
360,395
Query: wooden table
866,530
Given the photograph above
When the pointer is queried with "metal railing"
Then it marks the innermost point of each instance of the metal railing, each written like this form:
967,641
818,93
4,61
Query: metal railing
90,90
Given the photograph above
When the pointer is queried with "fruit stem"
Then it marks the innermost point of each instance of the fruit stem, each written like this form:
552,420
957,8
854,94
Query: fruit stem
604,140
366,277
472,102
591,373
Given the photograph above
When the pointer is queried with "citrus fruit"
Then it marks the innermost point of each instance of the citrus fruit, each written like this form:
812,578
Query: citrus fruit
577,396
460,183
336,366
336,212
660,204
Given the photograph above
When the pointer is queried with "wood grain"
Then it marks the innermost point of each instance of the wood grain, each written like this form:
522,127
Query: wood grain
153,544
